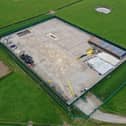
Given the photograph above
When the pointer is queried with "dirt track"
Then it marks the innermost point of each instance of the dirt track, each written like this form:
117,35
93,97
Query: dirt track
4,70
91,104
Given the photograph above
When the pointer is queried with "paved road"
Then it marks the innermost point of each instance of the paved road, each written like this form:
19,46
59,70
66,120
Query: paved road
91,103
110,118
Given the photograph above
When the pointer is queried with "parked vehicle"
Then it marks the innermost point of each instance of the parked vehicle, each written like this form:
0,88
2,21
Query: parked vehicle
13,46
27,59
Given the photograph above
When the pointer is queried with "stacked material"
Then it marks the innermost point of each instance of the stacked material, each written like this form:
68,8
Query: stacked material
99,65
108,58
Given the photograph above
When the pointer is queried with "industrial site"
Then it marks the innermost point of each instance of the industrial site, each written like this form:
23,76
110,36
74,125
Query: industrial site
68,59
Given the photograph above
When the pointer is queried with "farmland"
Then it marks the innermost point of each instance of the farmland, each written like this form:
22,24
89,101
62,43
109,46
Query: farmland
21,99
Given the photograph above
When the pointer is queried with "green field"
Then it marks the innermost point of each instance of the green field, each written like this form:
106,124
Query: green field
21,99
15,10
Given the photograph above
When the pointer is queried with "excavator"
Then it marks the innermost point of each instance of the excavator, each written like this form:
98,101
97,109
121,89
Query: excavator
89,52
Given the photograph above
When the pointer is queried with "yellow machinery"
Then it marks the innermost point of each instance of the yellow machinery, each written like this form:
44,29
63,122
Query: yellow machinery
90,51
69,84
71,88
49,81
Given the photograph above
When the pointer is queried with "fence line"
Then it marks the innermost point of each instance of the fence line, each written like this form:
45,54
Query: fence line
41,14
110,97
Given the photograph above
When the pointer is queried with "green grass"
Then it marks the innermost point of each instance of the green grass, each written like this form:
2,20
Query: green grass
77,122
111,27
21,99
16,10
89,122
117,104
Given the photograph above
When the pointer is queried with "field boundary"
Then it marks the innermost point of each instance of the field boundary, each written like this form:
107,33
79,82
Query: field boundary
23,25
41,14
116,91
39,80
8,72
2,78
89,32
68,110
19,123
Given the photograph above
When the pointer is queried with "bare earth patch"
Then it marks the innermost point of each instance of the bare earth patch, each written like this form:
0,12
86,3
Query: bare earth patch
4,70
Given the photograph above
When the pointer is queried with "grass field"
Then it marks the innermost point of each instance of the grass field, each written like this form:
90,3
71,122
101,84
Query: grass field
21,98
74,123
16,10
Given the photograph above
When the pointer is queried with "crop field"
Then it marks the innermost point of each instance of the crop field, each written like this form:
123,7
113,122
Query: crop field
21,99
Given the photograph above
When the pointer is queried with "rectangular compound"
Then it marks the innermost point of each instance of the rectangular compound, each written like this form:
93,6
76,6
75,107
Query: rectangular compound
70,60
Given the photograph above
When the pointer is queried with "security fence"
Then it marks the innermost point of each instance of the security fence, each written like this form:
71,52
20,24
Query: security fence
39,80
74,112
